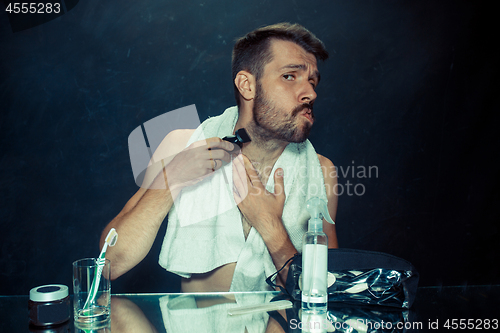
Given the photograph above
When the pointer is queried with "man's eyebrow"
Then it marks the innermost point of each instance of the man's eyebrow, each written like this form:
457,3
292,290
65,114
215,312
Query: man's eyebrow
302,67
294,66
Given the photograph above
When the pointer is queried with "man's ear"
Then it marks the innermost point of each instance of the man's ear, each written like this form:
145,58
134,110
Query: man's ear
245,83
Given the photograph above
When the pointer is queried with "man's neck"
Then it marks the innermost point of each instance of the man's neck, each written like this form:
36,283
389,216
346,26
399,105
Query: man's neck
262,151
263,154
262,160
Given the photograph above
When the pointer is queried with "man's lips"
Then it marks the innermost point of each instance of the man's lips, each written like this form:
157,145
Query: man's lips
308,114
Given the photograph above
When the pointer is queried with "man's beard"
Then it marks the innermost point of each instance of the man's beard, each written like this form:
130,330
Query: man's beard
275,123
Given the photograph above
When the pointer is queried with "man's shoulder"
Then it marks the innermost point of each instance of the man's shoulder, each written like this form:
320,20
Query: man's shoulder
325,162
330,177
328,169
178,138
173,143
179,135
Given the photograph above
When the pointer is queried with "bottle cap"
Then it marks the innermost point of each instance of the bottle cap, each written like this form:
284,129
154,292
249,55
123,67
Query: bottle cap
49,293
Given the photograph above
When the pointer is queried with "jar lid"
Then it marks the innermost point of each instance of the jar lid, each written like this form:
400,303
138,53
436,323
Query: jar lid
48,293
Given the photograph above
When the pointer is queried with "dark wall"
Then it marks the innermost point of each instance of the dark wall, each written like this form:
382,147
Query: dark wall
408,91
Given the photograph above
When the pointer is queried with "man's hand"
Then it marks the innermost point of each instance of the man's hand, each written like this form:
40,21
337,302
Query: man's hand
197,161
262,209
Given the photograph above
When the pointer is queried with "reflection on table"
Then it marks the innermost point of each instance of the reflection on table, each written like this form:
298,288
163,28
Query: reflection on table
194,313
433,309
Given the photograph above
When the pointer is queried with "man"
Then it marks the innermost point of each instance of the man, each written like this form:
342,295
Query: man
275,75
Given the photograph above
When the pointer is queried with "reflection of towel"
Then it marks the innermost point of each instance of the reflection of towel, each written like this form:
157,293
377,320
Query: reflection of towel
205,229
180,314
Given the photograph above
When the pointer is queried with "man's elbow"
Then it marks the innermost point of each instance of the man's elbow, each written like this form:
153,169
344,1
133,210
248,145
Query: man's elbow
114,276
116,272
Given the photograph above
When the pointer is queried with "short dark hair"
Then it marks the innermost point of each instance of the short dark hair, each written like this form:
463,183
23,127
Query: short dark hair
252,52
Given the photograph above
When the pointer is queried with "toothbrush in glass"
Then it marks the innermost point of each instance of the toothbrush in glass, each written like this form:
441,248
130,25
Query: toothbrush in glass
111,239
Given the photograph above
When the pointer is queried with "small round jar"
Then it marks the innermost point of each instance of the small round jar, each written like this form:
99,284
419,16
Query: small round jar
49,305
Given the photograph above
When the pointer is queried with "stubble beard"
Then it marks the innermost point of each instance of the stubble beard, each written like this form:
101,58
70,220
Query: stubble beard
273,123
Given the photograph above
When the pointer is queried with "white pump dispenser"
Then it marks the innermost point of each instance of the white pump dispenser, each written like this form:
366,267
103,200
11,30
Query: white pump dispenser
315,259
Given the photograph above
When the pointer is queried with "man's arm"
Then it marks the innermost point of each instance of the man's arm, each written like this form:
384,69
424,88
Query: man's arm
139,221
127,317
330,176
137,225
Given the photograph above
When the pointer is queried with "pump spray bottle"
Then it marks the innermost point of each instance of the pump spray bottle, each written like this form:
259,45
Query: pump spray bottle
315,259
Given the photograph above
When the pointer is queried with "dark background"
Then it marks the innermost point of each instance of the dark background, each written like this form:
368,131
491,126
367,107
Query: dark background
408,89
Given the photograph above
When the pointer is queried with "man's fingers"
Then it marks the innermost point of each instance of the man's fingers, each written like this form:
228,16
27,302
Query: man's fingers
213,143
218,143
252,175
279,183
220,154
248,165
210,150
240,183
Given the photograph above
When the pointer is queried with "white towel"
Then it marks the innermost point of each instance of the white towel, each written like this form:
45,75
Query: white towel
205,229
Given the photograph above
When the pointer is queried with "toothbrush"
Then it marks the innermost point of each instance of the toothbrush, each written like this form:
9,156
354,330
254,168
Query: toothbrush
111,239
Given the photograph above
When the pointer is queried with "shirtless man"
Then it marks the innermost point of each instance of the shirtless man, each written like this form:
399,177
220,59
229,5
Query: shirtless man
275,90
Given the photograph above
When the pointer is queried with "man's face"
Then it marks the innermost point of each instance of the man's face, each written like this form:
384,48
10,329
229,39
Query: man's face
285,93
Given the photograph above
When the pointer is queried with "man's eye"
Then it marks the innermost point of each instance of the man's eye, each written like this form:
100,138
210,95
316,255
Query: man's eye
288,77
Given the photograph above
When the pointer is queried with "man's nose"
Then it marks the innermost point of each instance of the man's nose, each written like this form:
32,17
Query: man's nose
308,95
